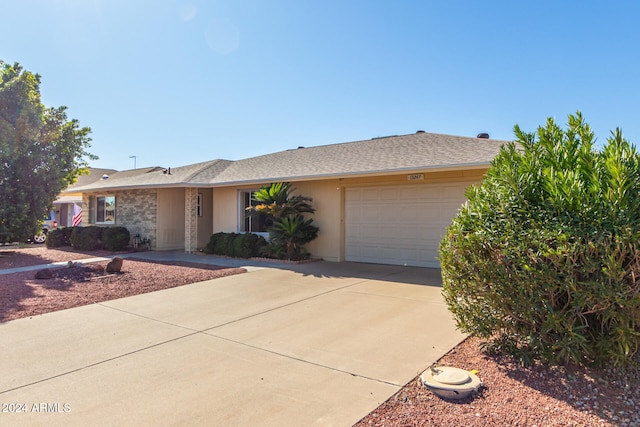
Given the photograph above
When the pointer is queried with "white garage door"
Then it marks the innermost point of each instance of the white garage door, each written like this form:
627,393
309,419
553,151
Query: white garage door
400,225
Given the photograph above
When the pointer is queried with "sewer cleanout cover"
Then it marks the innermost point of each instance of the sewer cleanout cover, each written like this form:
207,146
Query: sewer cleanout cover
449,382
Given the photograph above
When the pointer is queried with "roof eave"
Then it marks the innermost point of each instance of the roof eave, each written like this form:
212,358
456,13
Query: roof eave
133,187
359,174
318,177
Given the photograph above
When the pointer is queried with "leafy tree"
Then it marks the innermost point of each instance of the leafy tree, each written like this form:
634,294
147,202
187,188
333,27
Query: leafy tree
544,259
288,230
41,153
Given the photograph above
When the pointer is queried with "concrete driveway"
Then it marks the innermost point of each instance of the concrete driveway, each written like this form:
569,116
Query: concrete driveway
314,344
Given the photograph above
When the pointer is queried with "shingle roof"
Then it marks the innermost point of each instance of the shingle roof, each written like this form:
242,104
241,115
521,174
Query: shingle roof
378,156
159,177
419,151
94,175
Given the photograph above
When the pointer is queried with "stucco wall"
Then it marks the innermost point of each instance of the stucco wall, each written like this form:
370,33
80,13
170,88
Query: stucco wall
327,196
225,210
170,224
205,222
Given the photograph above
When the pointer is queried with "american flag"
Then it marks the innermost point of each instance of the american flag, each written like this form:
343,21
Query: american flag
77,216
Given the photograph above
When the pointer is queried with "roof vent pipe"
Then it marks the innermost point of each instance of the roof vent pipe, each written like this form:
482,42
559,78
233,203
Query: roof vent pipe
483,135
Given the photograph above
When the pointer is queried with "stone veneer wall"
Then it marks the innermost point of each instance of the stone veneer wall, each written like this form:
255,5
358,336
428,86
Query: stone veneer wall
135,209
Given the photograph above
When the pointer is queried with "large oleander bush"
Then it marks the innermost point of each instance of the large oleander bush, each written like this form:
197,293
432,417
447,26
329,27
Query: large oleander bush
544,259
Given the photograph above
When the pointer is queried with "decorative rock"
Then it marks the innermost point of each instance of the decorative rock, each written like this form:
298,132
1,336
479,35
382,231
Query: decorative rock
44,274
114,266
95,269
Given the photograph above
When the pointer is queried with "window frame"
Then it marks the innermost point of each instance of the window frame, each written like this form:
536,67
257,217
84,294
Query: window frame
243,219
103,211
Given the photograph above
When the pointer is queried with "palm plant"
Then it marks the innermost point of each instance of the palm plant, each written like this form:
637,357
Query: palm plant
291,233
277,202
288,230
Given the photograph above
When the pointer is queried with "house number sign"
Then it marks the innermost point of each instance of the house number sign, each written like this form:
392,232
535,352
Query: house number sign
415,177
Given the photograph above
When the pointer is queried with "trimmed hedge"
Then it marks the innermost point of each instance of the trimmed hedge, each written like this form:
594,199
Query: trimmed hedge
115,238
59,237
89,238
235,245
86,238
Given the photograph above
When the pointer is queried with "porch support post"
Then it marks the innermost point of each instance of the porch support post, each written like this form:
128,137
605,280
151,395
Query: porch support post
190,219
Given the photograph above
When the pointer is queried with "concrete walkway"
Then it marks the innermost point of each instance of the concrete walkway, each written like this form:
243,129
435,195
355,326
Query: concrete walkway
312,344
51,265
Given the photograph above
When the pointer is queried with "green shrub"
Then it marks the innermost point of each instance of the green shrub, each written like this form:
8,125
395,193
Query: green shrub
224,244
236,245
544,259
235,249
86,238
67,234
210,246
115,238
248,245
59,237
275,251
289,234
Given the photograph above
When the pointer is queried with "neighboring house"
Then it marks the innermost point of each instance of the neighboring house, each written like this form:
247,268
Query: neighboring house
385,200
68,205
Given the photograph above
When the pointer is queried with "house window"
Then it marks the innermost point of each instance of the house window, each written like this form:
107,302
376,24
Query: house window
250,223
106,210
199,204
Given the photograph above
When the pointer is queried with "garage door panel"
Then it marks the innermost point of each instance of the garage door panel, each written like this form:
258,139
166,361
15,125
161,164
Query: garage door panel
400,225
413,213
371,213
424,192
387,194
390,215
370,194
406,235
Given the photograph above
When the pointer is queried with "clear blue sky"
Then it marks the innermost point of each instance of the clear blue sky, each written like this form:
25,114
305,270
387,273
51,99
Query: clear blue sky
176,82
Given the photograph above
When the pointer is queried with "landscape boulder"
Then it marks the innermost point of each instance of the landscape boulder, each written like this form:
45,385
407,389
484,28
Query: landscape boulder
114,266
45,273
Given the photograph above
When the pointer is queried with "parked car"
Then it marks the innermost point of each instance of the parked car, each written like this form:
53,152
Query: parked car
49,224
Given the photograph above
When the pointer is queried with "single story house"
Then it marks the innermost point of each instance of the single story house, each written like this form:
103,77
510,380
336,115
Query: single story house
384,200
